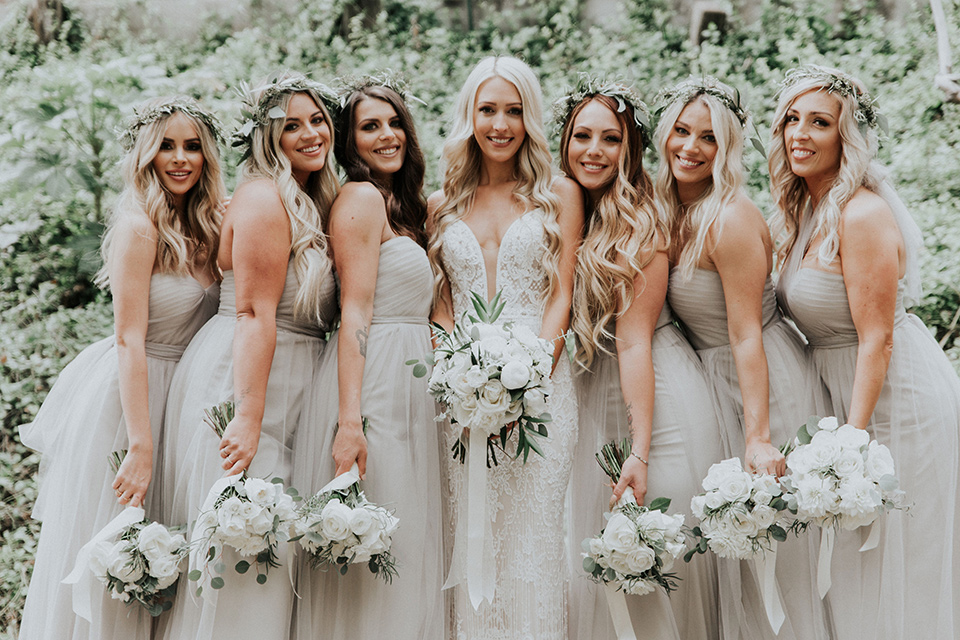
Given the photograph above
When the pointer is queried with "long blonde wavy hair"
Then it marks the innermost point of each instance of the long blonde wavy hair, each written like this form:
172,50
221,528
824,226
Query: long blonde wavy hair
690,229
462,158
307,207
187,238
621,238
858,167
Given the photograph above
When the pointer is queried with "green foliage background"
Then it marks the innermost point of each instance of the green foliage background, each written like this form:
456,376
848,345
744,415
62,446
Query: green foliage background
60,104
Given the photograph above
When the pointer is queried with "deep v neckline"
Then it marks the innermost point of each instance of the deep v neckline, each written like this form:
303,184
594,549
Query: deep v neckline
496,263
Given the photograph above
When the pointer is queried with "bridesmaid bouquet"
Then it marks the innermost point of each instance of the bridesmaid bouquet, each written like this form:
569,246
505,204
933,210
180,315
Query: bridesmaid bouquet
489,376
738,513
839,476
136,559
638,546
251,515
339,526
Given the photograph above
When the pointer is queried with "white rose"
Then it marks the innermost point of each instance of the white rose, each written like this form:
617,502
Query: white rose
719,471
102,555
736,487
230,518
597,548
764,516
475,377
859,497
762,498
766,483
515,375
824,449
850,437
260,491
165,567
493,346
830,423
362,521
494,399
730,546
516,351
879,461
464,408
639,587
698,505
815,497
640,558
850,463
167,580
800,461
460,384
714,500
122,567
154,541
620,534
260,521
459,363
744,524
526,337
335,520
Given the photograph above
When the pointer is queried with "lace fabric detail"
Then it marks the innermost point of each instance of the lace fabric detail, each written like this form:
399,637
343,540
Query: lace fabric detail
525,501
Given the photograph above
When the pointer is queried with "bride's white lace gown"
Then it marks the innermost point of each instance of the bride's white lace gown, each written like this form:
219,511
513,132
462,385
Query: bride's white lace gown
525,502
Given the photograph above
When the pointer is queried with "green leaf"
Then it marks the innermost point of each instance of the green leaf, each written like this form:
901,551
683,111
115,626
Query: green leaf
211,554
589,564
242,567
411,362
660,504
217,583
889,482
688,556
419,370
194,575
778,533
261,578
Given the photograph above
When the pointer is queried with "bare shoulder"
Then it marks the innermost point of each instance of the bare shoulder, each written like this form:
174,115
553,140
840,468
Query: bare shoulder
740,221
567,189
133,225
866,211
434,201
359,204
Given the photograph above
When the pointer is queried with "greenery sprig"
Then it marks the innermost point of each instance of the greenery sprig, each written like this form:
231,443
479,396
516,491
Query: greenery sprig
393,80
127,135
836,82
258,113
617,90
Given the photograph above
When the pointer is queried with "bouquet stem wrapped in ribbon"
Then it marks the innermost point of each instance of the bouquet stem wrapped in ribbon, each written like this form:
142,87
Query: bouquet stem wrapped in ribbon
493,380
636,549
839,478
137,560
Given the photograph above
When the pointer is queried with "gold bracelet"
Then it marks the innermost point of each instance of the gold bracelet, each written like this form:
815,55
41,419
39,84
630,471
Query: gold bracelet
639,458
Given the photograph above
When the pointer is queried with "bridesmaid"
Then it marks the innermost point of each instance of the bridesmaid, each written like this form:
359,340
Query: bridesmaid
259,350
720,288
159,262
850,251
638,376
377,238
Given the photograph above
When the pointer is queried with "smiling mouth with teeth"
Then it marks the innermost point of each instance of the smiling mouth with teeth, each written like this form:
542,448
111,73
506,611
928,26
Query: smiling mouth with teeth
684,162
387,152
315,147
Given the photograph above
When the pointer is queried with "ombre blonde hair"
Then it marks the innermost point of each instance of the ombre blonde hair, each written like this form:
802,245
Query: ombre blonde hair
690,230
622,235
858,168
189,237
462,160
307,207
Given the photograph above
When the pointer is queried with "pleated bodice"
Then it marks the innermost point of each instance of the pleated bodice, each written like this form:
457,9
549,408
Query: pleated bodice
179,305
404,283
701,306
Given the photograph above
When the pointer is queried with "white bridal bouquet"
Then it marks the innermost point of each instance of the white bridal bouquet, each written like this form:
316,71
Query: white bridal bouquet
251,515
339,526
489,376
136,559
839,476
739,512
638,546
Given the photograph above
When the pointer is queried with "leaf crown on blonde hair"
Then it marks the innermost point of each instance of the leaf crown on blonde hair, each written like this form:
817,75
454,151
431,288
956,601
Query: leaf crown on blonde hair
833,81
258,113
142,116
616,90
687,90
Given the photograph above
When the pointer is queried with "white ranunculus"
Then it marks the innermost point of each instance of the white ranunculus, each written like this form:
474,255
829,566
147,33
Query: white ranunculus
335,518
535,402
879,461
154,541
830,423
850,437
620,534
475,377
515,375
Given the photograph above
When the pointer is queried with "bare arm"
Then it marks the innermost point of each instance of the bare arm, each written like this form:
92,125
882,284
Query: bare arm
870,246
442,312
634,334
556,313
743,262
358,222
131,265
259,254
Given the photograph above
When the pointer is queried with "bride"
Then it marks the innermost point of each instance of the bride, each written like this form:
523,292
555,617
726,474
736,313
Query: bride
502,222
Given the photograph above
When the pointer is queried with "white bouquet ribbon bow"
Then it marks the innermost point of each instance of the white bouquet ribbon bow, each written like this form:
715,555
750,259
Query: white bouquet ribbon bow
82,577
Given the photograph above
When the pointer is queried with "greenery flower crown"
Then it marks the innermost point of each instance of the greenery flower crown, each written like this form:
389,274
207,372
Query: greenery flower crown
127,135
616,90
689,89
386,78
259,113
867,113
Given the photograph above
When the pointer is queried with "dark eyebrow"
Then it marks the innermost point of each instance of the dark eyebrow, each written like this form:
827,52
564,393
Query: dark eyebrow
312,115
686,126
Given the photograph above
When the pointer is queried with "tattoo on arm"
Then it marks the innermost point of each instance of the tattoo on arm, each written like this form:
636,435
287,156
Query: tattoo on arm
362,335
630,417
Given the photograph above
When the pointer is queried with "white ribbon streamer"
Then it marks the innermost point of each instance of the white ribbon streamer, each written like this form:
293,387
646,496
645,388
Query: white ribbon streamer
81,577
343,480
766,566
827,538
617,603
476,520
873,539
